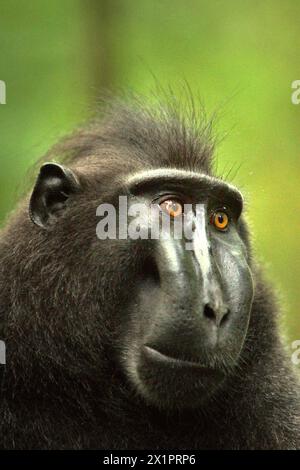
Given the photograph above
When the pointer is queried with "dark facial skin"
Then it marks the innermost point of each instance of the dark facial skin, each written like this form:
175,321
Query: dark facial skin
189,316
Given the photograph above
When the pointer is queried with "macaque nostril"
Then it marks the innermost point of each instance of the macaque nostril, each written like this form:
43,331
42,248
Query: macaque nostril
225,317
209,312
218,317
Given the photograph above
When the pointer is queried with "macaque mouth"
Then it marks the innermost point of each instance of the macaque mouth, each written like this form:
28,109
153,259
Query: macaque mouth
154,356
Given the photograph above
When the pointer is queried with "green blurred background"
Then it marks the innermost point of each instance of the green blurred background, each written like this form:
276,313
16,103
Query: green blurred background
240,56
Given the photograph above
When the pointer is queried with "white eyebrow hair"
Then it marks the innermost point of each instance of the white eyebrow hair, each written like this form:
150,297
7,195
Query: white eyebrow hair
166,173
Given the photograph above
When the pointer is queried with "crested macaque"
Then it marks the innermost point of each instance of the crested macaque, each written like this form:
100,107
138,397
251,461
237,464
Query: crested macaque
139,343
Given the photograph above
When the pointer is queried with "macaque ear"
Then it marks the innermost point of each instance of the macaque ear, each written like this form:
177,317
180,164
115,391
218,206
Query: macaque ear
54,186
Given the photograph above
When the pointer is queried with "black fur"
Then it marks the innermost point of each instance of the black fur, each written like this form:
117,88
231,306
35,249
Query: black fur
63,386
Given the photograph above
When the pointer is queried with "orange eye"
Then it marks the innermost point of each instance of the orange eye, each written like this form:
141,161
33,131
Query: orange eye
171,207
220,220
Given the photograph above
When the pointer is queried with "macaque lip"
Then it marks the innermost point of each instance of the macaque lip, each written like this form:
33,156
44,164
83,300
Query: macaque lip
161,359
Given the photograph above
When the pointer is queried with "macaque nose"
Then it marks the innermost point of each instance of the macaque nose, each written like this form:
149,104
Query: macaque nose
217,315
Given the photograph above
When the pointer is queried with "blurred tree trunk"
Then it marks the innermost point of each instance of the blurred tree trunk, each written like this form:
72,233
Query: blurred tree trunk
102,18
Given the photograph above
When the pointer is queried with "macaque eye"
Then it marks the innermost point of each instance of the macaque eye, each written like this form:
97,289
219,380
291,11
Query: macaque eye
172,207
220,220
